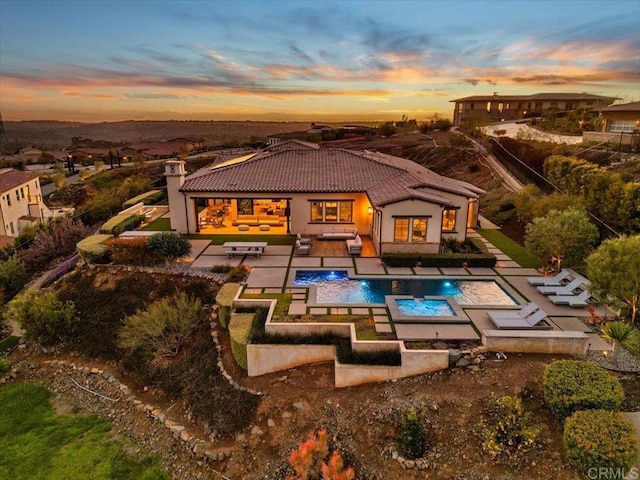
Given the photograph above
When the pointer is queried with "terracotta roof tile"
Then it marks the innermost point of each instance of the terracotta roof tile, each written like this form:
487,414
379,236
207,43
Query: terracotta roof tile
10,178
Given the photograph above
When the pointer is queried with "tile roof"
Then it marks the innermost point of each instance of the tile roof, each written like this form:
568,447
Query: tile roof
535,96
385,178
623,107
10,178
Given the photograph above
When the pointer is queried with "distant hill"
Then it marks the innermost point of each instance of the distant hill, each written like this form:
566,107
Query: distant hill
54,135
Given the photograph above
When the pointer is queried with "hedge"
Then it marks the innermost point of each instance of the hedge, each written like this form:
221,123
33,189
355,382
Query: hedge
149,198
224,300
572,385
120,223
93,249
240,327
595,439
439,259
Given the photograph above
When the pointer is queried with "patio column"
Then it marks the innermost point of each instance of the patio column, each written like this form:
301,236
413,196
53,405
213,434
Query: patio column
287,213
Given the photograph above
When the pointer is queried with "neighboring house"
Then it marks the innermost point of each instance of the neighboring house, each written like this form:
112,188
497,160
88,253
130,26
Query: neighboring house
403,206
32,154
87,154
150,150
319,128
620,123
497,108
21,202
190,143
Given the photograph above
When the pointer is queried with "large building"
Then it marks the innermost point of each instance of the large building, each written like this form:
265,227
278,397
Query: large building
620,124
300,188
497,108
21,202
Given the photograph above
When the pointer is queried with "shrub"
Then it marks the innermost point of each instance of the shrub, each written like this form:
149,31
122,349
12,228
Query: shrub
240,327
131,251
221,268
93,249
224,300
163,327
13,276
169,245
5,366
237,274
508,430
595,439
150,198
44,318
309,460
571,385
59,240
439,259
412,440
121,223
61,270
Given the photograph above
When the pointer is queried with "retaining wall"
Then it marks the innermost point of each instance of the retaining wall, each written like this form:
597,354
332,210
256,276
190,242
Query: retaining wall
535,342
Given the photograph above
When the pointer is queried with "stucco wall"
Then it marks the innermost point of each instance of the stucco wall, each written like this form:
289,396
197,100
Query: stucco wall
18,208
535,341
263,359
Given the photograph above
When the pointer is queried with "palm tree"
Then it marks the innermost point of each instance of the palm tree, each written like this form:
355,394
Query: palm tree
617,333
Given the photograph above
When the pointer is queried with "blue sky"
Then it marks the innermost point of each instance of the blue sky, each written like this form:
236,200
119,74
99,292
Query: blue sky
309,60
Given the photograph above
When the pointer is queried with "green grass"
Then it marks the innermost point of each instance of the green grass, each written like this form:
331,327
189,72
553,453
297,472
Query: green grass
37,444
158,225
284,301
270,239
8,343
516,251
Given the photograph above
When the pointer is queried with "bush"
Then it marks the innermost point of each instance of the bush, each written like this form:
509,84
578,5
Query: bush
93,249
312,461
131,251
121,223
596,439
61,270
240,327
169,245
44,318
5,366
163,327
224,300
236,274
572,385
439,259
412,440
221,268
507,430
151,197
13,276
58,240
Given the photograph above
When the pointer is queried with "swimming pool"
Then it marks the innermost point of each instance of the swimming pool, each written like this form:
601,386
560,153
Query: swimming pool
335,287
423,307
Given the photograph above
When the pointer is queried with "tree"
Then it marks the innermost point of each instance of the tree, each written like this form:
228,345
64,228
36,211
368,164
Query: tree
163,327
531,203
13,276
387,129
44,318
614,271
617,333
562,237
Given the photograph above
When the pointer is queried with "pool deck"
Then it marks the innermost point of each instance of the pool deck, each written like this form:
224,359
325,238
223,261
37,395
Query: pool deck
274,272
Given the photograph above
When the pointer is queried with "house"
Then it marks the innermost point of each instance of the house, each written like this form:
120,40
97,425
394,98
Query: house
88,154
32,154
402,206
21,202
188,143
497,108
620,123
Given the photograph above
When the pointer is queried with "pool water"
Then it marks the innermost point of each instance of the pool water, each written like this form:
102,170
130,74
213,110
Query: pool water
417,307
336,287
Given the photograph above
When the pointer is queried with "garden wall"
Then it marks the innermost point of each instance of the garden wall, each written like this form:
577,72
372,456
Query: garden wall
535,342
262,359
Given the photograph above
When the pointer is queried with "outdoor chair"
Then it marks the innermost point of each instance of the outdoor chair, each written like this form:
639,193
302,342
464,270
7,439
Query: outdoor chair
550,282
302,249
303,240
535,321
522,313
568,289
574,301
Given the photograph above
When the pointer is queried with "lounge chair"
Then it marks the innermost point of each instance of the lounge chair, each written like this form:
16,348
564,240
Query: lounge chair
550,282
303,240
302,249
574,301
568,289
522,313
535,321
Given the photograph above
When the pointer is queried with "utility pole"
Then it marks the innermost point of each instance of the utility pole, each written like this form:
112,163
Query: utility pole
3,133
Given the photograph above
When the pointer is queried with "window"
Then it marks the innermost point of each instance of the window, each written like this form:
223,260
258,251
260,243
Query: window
449,220
621,126
22,193
11,227
17,195
500,107
471,106
8,200
416,234
245,206
333,211
488,107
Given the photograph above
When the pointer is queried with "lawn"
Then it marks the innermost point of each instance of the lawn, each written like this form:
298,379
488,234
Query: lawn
158,225
36,443
283,304
516,251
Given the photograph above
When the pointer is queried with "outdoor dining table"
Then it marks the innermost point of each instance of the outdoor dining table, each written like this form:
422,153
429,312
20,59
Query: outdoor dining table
245,248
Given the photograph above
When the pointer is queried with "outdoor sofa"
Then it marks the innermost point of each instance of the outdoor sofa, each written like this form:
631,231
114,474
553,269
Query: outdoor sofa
338,233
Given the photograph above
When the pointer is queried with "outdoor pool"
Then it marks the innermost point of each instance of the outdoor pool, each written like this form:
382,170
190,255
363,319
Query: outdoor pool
335,286
418,307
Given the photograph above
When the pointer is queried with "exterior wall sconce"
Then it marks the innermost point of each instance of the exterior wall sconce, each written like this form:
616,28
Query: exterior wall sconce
369,210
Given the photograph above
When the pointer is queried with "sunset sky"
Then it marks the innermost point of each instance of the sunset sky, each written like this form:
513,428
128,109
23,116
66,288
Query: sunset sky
91,60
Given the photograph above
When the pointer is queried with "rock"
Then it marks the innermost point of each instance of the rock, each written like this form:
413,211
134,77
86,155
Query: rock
241,438
454,356
463,362
394,455
177,430
474,368
410,464
95,371
271,423
477,361
255,430
211,454
185,436
300,406
286,414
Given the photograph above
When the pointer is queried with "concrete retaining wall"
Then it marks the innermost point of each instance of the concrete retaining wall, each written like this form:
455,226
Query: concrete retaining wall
262,359
527,341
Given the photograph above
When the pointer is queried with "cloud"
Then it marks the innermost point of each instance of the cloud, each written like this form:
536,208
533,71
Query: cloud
298,53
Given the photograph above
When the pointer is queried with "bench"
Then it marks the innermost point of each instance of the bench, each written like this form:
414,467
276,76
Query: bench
256,220
338,233
147,212
242,251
